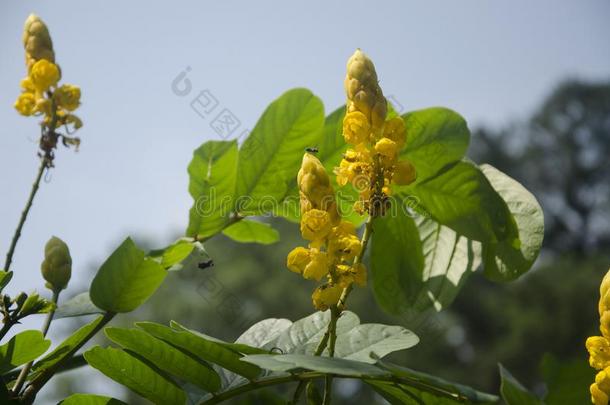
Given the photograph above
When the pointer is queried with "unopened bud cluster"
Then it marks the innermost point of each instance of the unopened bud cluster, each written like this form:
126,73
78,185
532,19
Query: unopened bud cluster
333,243
372,164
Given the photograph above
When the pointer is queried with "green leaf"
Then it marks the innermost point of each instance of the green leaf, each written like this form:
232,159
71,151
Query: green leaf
22,348
433,388
166,357
184,255
90,399
396,261
567,381
330,365
78,305
461,197
212,174
202,348
5,278
247,231
371,341
270,158
135,375
304,335
505,260
35,304
65,348
449,259
513,392
126,279
436,137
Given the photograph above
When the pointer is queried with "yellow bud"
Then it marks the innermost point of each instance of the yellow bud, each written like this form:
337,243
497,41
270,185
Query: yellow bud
598,397
404,173
25,104
386,147
356,128
599,352
298,259
74,120
44,74
395,130
326,296
37,41
315,189
363,91
315,224
57,264
318,267
602,379
67,96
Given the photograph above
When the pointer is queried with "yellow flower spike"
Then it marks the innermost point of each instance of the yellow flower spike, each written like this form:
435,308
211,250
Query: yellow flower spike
326,296
44,106
604,324
298,259
598,397
315,224
318,266
386,147
395,130
314,186
67,96
25,104
343,242
404,173
27,85
37,41
356,128
44,74
599,352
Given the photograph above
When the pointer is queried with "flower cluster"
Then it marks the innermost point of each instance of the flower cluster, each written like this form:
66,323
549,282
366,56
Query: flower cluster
333,244
40,92
599,348
372,164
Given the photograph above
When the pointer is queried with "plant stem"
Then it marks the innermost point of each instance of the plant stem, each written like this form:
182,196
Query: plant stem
8,324
11,251
37,383
312,375
45,328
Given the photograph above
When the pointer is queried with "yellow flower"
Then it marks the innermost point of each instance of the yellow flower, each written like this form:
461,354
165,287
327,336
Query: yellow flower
386,147
318,267
360,274
343,242
67,96
598,397
604,324
298,259
599,352
326,296
404,173
395,130
315,188
25,104
44,75
602,379
27,85
315,224
44,106
356,128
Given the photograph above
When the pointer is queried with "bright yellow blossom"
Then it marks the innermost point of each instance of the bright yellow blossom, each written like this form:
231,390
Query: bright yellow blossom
315,224
386,147
326,296
356,128
67,96
25,104
599,352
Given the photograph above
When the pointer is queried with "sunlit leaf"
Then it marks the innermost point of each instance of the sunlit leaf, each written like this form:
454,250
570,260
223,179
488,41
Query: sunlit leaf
247,231
22,348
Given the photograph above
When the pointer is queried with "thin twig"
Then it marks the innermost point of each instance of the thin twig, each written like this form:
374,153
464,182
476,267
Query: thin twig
11,251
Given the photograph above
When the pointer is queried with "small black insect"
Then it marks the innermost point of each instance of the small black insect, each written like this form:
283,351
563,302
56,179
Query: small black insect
206,264
312,149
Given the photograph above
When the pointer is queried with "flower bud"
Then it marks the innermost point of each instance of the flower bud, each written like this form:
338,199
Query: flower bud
57,264
37,41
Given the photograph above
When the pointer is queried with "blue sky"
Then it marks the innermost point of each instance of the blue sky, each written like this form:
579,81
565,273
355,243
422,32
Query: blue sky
490,61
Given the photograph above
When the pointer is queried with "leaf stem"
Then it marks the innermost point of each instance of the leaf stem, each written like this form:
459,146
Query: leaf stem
44,163
37,383
45,328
